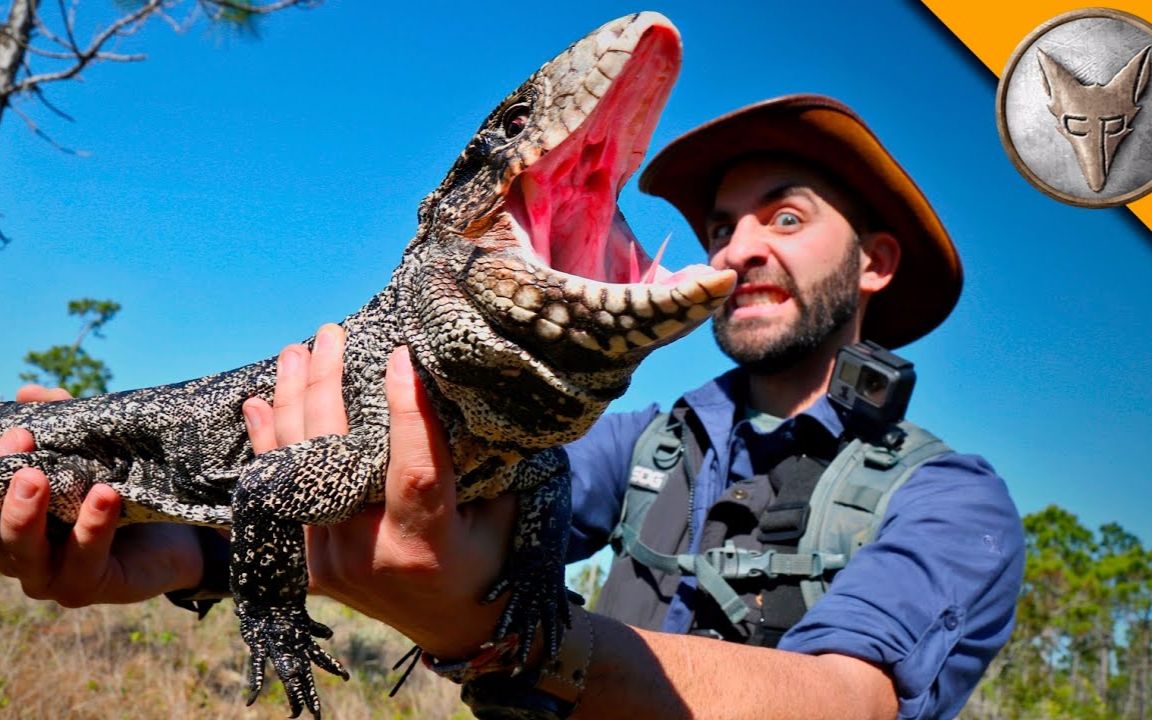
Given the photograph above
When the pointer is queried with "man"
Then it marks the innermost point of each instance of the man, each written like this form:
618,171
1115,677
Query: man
833,243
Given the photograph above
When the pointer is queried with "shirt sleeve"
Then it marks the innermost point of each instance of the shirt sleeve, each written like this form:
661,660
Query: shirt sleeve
601,462
933,598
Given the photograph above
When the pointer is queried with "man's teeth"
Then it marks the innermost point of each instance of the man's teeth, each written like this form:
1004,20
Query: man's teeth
760,297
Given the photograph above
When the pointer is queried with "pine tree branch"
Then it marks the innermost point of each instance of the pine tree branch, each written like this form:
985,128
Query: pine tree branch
258,8
14,36
39,93
69,16
45,136
124,26
61,45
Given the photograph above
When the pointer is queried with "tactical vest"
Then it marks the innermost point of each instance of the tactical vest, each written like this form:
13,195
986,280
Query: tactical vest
770,545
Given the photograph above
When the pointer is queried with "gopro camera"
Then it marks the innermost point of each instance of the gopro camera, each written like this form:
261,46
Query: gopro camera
873,386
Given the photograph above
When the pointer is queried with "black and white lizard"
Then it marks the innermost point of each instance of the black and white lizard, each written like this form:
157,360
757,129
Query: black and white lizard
526,303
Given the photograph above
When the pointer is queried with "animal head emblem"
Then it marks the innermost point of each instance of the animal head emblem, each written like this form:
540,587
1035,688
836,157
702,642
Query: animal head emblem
1095,118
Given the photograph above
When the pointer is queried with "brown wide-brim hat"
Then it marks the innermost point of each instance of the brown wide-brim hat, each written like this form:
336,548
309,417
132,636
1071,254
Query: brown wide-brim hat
828,134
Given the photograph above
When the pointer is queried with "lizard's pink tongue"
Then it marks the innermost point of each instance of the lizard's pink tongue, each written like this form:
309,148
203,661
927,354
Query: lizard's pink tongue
566,200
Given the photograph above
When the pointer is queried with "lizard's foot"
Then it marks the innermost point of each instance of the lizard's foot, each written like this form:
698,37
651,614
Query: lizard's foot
285,636
535,578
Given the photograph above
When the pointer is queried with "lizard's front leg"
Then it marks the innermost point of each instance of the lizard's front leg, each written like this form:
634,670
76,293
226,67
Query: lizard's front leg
534,571
322,481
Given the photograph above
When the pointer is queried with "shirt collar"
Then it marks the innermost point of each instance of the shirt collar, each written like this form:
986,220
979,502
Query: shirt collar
823,412
720,403
717,401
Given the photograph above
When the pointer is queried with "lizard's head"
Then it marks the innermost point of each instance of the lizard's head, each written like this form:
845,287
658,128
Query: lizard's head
527,218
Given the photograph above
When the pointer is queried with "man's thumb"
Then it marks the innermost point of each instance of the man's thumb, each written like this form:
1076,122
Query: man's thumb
420,490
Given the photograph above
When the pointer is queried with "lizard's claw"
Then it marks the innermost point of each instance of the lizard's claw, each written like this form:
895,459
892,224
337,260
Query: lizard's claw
533,574
286,638
535,578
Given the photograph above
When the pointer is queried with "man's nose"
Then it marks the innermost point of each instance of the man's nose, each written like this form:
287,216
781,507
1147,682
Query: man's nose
749,245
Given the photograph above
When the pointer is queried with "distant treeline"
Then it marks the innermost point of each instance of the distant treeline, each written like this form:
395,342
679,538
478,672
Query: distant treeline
1083,628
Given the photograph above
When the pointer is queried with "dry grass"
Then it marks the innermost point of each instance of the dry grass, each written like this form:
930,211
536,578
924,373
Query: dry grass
153,660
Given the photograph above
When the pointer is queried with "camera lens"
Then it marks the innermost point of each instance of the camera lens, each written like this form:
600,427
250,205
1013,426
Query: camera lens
873,386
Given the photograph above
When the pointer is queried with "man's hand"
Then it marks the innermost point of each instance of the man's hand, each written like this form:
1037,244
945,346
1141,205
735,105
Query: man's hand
417,562
96,563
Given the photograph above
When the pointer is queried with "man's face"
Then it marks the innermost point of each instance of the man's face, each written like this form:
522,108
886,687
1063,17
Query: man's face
798,259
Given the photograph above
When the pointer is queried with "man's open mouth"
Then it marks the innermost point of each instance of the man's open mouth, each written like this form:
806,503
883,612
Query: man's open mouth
759,295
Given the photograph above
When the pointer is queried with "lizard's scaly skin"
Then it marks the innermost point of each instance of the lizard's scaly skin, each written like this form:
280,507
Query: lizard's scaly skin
523,301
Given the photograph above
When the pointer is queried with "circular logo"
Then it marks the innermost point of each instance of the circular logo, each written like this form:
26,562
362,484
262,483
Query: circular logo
1069,107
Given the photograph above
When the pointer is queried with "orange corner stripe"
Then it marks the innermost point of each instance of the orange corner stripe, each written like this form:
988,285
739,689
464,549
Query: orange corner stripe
993,39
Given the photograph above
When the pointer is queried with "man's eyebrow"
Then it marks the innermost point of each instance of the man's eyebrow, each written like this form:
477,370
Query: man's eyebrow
773,195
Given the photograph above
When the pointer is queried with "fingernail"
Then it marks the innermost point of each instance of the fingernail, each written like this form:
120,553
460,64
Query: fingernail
400,362
251,417
325,338
101,503
289,360
25,489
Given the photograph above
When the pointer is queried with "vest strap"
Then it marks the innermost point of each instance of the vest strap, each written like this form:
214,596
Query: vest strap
733,563
715,566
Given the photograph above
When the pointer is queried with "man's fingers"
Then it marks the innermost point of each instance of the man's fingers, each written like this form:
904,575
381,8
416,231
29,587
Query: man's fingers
308,400
39,393
84,561
324,401
16,440
261,424
288,398
420,488
24,551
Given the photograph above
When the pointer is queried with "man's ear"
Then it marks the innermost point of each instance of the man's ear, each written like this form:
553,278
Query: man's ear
880,256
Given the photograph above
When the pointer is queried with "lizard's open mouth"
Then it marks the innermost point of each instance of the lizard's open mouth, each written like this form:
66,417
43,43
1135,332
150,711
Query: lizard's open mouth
565,202
575,283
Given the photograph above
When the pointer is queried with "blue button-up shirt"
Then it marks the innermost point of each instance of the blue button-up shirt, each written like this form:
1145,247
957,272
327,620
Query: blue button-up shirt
931,599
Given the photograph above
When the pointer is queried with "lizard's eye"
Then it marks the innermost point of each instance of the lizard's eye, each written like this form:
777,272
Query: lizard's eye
515,120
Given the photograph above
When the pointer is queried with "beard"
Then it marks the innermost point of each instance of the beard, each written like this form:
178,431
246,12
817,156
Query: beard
824,309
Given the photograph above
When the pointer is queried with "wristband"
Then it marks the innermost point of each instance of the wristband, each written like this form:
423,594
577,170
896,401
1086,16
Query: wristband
548,693
497,656
213,586
500,697
566,675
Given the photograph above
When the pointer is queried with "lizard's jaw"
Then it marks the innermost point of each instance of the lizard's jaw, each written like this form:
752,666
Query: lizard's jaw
560,303
566,200
582,276
565,203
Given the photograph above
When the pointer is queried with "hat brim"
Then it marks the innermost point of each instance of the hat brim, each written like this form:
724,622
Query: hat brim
825,132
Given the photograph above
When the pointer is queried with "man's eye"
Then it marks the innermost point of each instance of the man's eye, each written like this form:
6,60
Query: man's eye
719,233
786,219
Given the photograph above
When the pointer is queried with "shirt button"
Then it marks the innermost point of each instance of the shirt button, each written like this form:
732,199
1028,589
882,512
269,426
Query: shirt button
950,620
740,494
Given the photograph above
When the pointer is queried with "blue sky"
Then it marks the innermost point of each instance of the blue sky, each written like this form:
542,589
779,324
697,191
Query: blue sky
239,193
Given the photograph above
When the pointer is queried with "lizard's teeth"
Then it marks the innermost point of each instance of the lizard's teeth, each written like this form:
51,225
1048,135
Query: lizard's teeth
626,318
658,313
619,321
